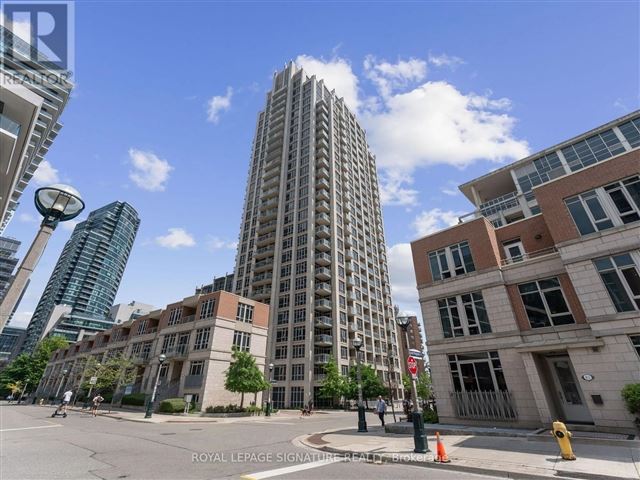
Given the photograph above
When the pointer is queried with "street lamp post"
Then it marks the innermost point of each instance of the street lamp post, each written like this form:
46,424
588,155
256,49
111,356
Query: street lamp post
152,400
362,421
267,412
64,374
390,359
419,437
56,203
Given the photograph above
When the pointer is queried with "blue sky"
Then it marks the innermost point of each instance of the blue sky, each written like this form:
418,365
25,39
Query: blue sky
167,95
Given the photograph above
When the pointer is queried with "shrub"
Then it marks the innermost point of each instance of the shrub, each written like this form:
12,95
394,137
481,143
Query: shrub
254,409
429,416
631,396
173,405
136,399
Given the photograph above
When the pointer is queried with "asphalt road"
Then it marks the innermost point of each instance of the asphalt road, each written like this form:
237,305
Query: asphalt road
35,446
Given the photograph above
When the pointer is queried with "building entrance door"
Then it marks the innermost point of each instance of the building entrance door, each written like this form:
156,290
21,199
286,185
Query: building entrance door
568,391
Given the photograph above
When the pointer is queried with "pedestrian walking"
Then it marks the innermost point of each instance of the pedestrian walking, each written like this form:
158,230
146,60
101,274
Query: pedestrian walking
381,409
97,400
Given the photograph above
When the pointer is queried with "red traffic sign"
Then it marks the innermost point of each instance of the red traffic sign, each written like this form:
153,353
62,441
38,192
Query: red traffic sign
413,365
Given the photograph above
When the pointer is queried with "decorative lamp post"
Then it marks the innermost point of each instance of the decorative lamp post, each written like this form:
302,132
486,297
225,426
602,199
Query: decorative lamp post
57,203
362,421
152,400
390,374
267,413
419,437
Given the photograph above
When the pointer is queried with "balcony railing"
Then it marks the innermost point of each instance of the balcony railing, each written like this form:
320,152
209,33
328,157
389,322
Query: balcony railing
177,351
484,405
528,256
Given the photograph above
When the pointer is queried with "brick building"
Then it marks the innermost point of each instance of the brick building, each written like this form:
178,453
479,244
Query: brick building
532,303
416,342
196,335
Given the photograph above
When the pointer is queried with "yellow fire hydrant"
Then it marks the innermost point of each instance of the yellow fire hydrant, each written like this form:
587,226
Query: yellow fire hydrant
563,436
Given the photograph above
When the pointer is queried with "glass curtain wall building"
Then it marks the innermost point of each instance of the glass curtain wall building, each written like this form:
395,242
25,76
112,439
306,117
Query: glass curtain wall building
312,242
88,272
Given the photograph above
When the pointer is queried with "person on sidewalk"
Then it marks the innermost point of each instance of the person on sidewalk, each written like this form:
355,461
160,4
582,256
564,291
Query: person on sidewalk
381,409
97,400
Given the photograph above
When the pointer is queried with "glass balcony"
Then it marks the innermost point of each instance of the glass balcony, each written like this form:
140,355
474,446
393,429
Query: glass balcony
323,340
323,245
323,231
323,259
322,358
323,305
323,273
323,322
9,125
323,288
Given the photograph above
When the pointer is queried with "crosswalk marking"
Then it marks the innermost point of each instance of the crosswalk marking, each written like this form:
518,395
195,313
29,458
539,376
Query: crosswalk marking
291,469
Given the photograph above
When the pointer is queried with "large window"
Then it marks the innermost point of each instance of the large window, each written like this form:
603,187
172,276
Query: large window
463,315
206,309
474,372
620,275
196,367
168,342
451,261
174,316
277,397
544,303
606,207
280,373
282,335
245,313
202,338
297,371
297,351
635,341
297,397
242,340
281,352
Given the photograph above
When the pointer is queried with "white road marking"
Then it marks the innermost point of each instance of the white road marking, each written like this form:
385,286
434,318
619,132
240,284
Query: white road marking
29,428
291,469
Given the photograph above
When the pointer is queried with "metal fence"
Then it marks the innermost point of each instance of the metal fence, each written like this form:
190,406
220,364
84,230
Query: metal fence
484,405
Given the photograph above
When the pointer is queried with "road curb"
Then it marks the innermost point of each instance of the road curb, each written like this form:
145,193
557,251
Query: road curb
411,459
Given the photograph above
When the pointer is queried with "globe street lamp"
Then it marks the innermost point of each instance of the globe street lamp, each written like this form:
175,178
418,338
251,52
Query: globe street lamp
267,413
152,400
419,437
57,203
362,421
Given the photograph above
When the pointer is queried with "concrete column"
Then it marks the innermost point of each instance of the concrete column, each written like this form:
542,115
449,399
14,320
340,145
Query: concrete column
29,263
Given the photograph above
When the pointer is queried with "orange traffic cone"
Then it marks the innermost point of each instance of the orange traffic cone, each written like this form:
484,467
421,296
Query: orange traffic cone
441,454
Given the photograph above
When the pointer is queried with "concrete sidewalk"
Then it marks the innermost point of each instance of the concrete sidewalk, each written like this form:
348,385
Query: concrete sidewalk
509,457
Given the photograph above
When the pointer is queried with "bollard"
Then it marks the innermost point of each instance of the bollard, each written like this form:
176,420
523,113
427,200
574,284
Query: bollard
563,436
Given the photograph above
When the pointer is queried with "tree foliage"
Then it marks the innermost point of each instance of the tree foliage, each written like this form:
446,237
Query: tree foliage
116,371
28,368
334,384
244,376
372,385
423,386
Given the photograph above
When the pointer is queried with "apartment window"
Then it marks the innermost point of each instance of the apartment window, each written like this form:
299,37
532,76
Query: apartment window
196,367
344,353
281,352
475,372
301,283
298,333
301,268
283,301
622,280
463,315
164,369
605,207
168,342
344,369
206,308
297,371
300,298
282,335
299,315
283,318
142,326
343,335
202,338
285,271
635,342
174,316
285,285
280,373
297,351
242,340
244,313
277,397
513,250
297,397
451,261
545,303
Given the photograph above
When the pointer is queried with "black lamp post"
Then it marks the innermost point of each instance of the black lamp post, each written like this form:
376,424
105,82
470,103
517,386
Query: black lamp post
152,401
362,421
419,437
267,412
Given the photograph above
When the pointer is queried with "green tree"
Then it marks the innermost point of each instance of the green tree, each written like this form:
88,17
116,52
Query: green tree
423,386
334,384
372,385
29,368
406,384
244,376
114,372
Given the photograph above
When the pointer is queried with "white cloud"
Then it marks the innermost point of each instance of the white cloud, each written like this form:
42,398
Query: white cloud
27,218
149,171
337,74
176,238
19,28
444,60
393,193
390,76
46,174
216,243
403,279
217,105
21,319
430,221
450,188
